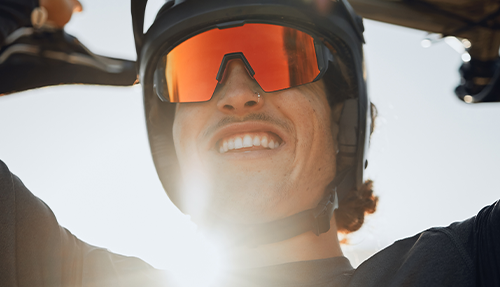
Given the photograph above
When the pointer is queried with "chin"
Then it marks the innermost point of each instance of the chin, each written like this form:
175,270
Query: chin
253,197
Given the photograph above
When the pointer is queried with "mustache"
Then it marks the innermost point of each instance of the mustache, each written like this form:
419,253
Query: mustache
259,117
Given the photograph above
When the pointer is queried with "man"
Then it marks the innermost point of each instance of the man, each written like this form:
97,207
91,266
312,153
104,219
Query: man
262,212
261,168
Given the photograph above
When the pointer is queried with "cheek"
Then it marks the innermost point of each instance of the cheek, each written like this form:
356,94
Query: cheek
183,129
189,123
309,110
177,132
316,131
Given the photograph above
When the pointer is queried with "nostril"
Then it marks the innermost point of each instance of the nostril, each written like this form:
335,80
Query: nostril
250,103
229,107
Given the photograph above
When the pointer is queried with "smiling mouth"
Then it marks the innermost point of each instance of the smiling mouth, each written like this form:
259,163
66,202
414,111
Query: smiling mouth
249,142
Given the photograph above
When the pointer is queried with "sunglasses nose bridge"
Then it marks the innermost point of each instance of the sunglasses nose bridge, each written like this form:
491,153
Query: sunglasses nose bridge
222,74
239,93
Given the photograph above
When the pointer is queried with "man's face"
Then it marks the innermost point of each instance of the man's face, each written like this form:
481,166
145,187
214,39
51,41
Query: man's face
228,162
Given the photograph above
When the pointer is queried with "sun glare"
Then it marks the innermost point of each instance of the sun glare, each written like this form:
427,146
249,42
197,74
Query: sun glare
200,265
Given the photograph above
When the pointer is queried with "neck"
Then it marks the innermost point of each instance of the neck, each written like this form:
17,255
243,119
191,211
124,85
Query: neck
306,246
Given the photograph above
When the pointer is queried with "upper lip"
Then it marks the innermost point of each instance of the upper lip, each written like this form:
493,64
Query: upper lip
245,127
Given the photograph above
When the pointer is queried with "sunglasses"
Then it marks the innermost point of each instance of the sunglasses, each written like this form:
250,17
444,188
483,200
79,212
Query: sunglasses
276,57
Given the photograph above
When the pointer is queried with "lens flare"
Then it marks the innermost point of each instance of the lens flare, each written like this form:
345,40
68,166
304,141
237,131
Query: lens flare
200,266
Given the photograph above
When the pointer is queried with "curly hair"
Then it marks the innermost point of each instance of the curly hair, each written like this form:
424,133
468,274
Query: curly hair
350,215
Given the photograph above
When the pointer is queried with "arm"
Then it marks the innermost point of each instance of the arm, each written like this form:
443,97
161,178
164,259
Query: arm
486,240
34,249
13,15
47,55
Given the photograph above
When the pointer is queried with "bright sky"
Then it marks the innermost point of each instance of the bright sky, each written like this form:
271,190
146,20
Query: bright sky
84,150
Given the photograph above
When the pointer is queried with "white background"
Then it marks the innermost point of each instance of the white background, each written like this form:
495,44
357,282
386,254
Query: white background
84,150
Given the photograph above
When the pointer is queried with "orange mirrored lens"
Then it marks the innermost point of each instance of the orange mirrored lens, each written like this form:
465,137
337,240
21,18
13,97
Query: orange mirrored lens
281,58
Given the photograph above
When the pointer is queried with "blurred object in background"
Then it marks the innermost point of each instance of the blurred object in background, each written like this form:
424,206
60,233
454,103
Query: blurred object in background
60,11
476,23
36,58
41,54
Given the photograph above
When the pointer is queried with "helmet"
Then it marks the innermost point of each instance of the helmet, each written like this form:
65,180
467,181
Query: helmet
338,28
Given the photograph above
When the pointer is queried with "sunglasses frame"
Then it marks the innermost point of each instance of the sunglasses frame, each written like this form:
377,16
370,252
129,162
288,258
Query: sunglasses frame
323,56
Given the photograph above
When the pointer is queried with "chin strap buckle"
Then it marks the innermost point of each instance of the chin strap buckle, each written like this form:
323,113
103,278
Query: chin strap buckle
323,213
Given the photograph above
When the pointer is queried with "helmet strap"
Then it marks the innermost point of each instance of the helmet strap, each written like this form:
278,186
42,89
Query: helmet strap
316,220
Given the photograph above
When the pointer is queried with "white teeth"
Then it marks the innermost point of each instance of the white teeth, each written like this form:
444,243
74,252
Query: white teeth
271,144
263,141
238,143
256,141
247,141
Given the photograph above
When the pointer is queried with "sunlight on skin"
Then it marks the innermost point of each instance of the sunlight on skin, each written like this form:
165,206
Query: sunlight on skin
60,11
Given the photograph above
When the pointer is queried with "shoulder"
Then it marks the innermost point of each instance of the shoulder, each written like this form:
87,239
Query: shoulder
461,254
435,257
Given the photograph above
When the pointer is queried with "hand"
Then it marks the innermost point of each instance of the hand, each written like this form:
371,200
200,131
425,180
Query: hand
60,11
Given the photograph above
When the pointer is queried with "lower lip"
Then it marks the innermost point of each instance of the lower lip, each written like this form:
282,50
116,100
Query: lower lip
250,154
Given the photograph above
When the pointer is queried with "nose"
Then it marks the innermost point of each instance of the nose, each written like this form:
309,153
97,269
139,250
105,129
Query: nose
240,94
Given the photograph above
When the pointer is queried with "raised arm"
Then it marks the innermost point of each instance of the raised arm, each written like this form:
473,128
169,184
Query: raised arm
34,249
35,51
486,245
13,15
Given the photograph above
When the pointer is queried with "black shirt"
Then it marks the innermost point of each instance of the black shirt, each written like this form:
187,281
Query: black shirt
36,251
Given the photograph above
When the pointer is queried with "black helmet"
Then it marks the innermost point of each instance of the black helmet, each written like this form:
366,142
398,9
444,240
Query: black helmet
338,28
